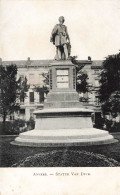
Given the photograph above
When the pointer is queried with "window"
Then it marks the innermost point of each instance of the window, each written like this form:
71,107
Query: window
31,97
22,111
41,97
62,78
31,78
96,71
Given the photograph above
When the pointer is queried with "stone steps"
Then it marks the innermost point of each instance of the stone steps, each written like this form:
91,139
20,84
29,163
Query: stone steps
64,137
63,134
40,144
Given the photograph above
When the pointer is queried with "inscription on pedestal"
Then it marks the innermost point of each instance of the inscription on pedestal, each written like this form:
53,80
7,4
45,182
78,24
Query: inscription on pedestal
50,79
62,78
74,78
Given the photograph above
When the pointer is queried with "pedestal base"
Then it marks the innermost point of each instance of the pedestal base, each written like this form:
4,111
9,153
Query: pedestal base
64,137
63,118
64,127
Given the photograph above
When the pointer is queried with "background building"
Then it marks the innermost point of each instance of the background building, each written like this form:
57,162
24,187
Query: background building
33,69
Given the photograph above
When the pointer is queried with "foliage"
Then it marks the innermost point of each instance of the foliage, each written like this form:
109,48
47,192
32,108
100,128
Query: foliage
42,89
31,123
19,122
11,90
112,126
46,79
109,91
73,59
81,77
17,126
24,87
65,158
109,125
45,87
13,127
81,81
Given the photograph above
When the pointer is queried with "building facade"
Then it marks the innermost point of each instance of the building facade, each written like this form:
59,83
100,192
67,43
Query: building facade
33,70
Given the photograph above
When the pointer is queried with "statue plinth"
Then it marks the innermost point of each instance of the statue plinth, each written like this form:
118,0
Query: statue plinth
62,82
63,121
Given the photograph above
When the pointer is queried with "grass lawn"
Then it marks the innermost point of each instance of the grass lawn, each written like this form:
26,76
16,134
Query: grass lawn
51,157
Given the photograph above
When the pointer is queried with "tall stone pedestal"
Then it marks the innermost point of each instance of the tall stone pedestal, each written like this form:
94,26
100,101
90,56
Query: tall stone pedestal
62,75
63,121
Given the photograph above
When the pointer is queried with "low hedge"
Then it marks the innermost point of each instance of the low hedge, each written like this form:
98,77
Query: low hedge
67,158
108,125
17,126
31,123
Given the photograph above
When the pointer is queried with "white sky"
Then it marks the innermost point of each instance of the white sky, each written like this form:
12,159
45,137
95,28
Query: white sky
26,25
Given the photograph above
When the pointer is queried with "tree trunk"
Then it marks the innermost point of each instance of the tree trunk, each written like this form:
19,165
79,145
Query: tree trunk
4,118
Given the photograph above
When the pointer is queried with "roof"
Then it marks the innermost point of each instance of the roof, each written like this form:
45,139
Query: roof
28,63
45,63
97,64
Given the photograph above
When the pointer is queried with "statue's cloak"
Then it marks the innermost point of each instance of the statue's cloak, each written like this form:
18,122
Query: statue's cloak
59,35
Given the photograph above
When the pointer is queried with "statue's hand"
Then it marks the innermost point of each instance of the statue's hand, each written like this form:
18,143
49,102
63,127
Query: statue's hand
68,41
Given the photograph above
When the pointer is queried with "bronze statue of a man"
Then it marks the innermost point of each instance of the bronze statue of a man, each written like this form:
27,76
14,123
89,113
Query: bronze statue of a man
61,40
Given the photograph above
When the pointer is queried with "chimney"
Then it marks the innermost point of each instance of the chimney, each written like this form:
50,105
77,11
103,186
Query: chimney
28,61
28,58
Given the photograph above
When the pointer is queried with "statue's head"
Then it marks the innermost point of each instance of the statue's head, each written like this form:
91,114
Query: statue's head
61,19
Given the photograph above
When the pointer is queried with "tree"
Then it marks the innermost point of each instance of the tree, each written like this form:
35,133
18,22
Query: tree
45,87
109,92
23,89
10,90
46,79
81,77
81,81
